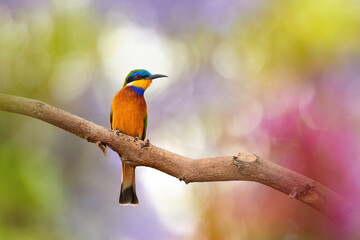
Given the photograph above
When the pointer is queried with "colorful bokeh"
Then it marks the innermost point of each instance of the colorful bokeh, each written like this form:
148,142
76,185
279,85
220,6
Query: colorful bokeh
277,78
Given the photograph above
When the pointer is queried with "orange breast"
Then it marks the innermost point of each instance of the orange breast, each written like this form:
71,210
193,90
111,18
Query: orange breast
128,112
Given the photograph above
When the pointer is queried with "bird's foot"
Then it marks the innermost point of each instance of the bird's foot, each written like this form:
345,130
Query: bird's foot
117,132
146,144
136,139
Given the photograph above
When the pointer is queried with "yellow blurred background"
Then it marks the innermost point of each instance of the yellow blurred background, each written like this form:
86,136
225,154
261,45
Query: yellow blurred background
276,78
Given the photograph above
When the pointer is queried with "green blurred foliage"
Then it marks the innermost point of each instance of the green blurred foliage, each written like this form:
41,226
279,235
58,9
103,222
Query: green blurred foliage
31,190
299,37
33,43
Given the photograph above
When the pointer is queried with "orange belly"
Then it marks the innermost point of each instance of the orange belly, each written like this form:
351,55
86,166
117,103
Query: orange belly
128,112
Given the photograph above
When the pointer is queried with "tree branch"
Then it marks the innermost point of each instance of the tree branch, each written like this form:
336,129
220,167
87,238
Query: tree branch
244,166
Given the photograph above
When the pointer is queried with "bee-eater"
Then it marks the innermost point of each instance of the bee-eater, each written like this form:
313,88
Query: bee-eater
129,116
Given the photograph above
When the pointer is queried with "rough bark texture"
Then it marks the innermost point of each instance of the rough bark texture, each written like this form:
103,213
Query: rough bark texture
244,166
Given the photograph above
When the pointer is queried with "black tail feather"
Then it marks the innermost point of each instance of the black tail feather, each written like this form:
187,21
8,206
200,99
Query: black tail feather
128,195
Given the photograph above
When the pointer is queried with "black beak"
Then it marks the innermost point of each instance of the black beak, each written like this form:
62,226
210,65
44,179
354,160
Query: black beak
153,76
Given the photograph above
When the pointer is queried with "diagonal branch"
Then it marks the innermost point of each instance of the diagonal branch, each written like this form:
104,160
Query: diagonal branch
244,166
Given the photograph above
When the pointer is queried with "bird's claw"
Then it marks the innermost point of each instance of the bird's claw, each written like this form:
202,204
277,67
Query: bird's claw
117,132
146,144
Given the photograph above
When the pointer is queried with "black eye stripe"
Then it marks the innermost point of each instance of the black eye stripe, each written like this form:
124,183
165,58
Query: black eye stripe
136,76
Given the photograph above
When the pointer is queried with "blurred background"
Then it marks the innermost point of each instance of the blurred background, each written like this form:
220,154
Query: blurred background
276,78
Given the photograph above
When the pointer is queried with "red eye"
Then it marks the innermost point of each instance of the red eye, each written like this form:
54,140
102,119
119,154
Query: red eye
137,76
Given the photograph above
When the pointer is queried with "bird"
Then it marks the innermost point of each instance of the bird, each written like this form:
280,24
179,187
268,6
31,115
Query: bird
128,115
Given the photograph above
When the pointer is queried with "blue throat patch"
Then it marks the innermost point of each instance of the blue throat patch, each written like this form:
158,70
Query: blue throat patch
140,91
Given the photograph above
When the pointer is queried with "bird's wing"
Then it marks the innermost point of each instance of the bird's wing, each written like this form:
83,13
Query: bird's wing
144,129
111,118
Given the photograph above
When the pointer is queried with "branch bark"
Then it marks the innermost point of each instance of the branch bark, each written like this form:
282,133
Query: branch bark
244,166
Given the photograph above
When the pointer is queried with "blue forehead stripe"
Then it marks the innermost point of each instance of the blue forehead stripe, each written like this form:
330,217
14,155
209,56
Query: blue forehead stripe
140,91
143,73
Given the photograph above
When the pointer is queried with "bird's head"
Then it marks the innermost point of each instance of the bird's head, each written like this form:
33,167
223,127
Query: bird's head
141,78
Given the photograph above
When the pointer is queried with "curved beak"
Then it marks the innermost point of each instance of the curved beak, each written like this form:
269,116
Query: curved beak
153,76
